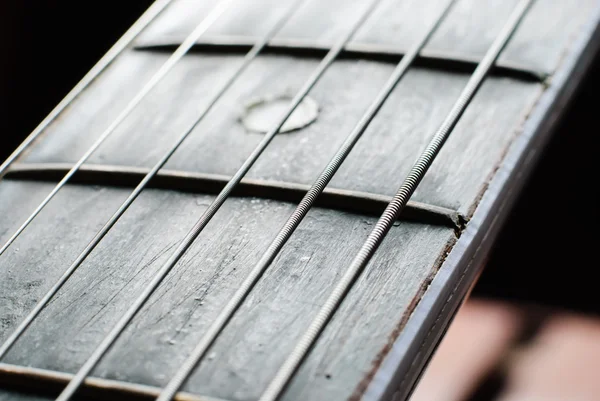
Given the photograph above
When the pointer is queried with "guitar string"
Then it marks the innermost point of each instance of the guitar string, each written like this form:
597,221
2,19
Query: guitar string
116,331
169,391
248,58
156,78
153,11
383,225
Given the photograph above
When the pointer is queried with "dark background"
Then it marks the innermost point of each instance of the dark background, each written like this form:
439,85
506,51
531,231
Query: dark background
47,47
546,254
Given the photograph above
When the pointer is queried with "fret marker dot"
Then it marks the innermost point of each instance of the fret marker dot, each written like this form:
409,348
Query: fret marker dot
261,115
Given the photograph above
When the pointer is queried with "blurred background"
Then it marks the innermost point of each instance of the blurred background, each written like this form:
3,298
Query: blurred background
530,330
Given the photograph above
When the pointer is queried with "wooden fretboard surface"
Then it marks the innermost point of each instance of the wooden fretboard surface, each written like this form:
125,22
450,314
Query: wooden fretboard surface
356,346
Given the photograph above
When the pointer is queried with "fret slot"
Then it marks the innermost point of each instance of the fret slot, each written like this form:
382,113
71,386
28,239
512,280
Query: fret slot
231,44
339,199
49,382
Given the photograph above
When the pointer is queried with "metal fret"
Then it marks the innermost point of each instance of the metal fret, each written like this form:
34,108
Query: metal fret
151,84
49,382
157,7
400,200
232,44
107,342
299,213
364,203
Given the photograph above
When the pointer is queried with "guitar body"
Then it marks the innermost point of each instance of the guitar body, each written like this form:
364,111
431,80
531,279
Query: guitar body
382,334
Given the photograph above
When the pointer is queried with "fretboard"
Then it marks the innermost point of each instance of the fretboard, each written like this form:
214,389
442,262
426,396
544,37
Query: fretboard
274,200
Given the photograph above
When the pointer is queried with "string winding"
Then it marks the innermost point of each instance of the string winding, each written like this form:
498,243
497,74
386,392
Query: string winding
383,225
116,331
363,257
298,214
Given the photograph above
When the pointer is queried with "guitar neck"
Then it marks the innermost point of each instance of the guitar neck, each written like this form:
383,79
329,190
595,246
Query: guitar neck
275,199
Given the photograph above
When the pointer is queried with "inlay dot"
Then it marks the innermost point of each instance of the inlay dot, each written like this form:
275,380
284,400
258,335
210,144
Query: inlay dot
262,115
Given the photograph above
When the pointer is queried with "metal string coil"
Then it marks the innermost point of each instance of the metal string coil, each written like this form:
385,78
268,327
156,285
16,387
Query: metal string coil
299,213
383,225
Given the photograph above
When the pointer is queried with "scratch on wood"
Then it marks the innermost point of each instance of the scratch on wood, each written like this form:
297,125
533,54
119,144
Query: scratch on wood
364,383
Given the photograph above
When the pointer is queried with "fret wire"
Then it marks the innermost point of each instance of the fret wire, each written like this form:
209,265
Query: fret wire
114,333
357,49
187,44
299,213
45,382
383,225
155,9
357,202
250,56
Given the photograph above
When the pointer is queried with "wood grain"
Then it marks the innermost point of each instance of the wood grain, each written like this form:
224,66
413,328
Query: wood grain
378,163
174,319
259,337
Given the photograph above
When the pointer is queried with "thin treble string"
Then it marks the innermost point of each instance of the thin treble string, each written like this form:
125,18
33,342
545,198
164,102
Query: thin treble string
394,208
250,56
299,213
155,9
209,213
158,76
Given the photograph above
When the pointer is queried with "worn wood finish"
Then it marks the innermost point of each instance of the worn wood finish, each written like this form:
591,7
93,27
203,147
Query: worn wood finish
400,369
384,154
157,341
246,355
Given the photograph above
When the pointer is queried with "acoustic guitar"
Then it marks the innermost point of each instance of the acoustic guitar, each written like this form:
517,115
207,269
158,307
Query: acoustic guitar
274,200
